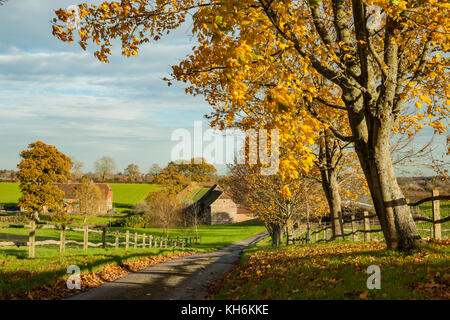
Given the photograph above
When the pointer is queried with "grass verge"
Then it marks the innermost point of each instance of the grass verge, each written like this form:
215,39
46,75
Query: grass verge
337,270
19,274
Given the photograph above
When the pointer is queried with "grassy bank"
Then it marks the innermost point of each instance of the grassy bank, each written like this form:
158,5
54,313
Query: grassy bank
19,274
338,271
127,195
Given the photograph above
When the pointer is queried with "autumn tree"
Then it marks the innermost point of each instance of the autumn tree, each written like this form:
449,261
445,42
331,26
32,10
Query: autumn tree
132,170
277,201
105,166
171,178
41,168
89,198
375,56
164,210
197,170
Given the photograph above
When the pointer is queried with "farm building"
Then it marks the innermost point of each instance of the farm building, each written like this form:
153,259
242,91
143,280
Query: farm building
69,195
217,207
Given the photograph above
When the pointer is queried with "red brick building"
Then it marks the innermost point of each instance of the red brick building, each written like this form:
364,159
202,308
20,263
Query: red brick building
69,195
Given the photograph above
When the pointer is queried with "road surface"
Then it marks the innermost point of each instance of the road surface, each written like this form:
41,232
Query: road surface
185,278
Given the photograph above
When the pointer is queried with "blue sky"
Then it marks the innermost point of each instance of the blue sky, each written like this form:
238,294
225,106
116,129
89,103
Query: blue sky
57,93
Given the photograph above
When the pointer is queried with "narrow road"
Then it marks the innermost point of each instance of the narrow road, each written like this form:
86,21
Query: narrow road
185,278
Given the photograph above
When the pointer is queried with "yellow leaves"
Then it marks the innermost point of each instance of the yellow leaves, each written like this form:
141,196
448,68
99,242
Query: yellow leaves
286,192
425,98
364,295
419,105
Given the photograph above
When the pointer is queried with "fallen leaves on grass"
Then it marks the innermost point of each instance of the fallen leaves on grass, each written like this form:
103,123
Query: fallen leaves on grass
90,280
337,270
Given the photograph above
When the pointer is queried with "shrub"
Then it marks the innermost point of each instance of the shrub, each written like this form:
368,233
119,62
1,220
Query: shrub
134,221
59,216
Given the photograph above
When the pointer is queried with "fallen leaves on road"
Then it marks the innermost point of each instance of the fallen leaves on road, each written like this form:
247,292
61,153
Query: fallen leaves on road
90,280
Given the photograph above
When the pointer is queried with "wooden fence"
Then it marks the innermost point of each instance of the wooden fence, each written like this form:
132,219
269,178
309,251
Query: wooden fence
370,234
131,240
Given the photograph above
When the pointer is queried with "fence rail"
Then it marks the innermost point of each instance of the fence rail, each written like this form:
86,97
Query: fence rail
435,230
134,240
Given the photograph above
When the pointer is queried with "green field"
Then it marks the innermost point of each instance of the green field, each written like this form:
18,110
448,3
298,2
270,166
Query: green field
19,273
125,195
9,194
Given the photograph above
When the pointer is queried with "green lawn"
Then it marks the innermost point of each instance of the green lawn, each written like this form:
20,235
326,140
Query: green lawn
9,194
337,270
126,195
19,273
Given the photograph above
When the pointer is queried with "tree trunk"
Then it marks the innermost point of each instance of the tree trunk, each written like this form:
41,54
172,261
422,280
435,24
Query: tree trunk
277,236
372,144
331,189
328,170
289,235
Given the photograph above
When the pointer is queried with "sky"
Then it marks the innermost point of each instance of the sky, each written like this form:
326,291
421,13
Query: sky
57,93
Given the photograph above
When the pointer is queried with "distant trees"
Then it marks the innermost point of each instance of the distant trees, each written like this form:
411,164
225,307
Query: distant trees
41,167
177,174
89,198
132,171
197,170
105,166
10,175
77,166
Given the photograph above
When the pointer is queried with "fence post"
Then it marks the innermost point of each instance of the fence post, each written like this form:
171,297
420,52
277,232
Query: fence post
117,239
62,240
436,216
135,239
366,226
104,237
355,236
127,239
165,242
85,237
31,240
150,240
143,241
